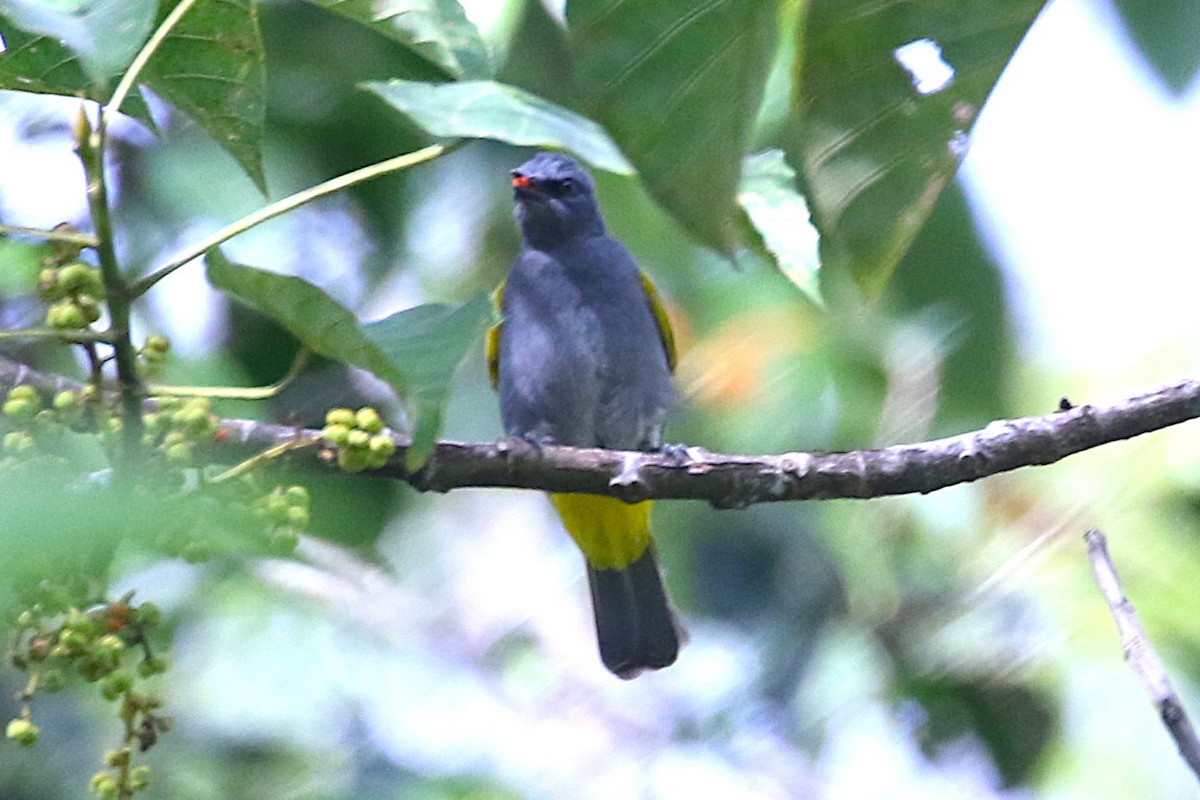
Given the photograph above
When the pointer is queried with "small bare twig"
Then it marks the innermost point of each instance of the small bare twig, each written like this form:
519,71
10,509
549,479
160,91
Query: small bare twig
1140,654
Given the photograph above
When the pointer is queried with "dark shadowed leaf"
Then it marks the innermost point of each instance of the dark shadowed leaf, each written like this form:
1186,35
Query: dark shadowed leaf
878,140
780,217
211,67
436,30
1168,36
428,342
677,85
104,34
489,110
42,65
415,351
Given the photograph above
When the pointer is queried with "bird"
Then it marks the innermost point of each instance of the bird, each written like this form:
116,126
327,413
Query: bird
583,355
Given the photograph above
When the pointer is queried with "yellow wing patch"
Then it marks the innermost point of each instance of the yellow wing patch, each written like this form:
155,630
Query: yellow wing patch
664,322
491,339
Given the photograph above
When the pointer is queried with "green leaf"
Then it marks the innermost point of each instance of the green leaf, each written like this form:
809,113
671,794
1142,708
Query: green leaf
415,351
103,34
876,149
677,85
42,65
430,341
780,216
211,67
436,30
1166,34
20,263
490,110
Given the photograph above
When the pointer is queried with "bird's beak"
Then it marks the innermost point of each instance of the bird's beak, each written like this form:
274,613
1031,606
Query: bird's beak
520,181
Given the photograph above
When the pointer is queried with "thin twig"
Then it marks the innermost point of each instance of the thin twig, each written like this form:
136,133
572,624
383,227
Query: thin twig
142,285
65,236
143,57
90,148
237,392
1140,654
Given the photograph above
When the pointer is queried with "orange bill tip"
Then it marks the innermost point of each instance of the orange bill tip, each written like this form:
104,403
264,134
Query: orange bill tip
520,181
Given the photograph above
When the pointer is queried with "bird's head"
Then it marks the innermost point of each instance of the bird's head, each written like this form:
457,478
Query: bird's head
555,200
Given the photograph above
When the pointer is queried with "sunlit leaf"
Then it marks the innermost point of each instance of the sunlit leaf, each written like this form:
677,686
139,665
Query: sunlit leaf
436,30
780,216
211,67
678,85
40,64
883,122
489,110
415,351
103,34
20,263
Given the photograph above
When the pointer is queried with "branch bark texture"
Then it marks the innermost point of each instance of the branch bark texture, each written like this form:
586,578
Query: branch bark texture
1139,653
734,481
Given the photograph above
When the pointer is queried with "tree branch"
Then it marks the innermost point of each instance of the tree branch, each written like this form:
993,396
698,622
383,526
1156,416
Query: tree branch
732,481
1140,654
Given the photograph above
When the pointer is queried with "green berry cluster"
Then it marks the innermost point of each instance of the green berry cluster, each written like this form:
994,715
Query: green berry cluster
153,354
74,292
31,425
104,645
177,426
286,512
359,438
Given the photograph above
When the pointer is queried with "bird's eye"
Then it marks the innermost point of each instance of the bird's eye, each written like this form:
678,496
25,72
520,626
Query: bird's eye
566,185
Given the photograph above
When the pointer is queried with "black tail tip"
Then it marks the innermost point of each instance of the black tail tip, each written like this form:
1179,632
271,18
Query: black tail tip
635,628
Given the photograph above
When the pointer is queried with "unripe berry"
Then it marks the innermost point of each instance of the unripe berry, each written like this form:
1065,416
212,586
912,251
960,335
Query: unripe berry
284,540
103,785
53,680
19,409
369,420
74,277
118,757
23,392
139,777
297,495
23,732
297,517
88,307
153,666
48,285
336,435
179,453
147,615
340,416
66,400
352,460
358,439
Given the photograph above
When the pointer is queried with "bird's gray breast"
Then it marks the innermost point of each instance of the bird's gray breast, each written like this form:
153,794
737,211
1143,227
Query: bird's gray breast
581,359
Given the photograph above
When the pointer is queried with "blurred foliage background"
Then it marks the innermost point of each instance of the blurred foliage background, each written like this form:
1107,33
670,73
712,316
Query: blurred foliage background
441,647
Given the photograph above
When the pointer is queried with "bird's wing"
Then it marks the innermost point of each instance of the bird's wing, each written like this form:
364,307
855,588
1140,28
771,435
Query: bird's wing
491,340
661,319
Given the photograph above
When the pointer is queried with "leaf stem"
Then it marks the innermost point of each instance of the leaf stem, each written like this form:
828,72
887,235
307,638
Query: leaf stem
67,237
142,285
73,337
236,392
129,79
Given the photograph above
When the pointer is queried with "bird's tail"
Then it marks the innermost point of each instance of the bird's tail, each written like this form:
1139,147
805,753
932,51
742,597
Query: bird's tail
634,624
